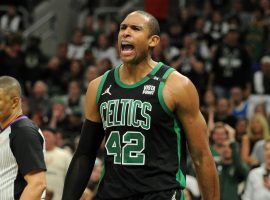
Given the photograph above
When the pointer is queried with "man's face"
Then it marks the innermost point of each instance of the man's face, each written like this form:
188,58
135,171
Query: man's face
223,106
226,152
5,105
236,94
134,38
219,136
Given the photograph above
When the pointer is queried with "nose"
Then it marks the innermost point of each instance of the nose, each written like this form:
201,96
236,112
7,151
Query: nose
126,32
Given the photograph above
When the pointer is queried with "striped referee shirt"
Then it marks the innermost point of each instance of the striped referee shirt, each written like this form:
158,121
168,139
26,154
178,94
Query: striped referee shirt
22,149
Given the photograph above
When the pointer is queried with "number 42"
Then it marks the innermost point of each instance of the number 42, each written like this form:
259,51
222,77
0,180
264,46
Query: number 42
131,152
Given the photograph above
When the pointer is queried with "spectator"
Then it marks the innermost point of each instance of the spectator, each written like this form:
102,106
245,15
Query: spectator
11,22
201,38
258,182
88,58
51,76
223,113
261,108
191,64
258,152
168,49
39,101
261,78
61,54
215,28
57,162
75,72
74,100
257,34
239,105
104,65
90,74
89,34
240,129
104,50
231,66
58,117
76,48
258,129
34,60
232,170
176,34
12,57
218,136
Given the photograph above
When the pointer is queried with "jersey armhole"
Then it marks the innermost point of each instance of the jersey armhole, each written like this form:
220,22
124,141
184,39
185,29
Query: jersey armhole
160,90
100,87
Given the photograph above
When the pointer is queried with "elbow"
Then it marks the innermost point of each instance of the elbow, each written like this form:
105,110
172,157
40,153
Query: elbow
38,185
41,185
204,158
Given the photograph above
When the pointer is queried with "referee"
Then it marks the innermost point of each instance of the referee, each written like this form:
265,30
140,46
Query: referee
22,165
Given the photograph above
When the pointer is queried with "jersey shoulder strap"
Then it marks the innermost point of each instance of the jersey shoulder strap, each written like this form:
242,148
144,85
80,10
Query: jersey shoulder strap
164,72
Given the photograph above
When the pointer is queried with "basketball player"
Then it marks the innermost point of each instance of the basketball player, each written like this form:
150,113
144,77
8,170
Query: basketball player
147,112
22,166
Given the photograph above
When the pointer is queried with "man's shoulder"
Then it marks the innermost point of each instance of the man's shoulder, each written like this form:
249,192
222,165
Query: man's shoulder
177,82
23,128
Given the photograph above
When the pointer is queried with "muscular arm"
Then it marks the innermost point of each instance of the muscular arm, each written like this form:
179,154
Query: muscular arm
35,185
83,160
181,96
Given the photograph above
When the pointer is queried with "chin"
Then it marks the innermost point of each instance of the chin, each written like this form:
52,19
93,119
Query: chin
128,60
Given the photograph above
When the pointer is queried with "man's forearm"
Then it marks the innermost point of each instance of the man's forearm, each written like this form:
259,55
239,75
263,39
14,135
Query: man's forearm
33,192
207,178
83,160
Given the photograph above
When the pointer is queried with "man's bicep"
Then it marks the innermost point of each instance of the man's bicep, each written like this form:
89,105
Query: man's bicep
191,118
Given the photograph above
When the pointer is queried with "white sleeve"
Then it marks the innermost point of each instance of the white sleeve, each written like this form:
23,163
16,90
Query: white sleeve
249,190
258,83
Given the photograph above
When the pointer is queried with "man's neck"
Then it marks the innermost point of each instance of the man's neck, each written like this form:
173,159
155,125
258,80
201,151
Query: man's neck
10,119
131,74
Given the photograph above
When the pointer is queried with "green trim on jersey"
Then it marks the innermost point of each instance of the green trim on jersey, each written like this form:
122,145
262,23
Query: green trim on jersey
146,78
182,195
101,85
180,177
160,95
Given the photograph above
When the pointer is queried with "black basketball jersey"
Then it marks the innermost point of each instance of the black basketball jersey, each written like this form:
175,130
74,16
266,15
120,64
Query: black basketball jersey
145,146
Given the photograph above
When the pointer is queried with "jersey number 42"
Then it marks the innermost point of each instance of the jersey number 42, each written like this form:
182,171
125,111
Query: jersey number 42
131,151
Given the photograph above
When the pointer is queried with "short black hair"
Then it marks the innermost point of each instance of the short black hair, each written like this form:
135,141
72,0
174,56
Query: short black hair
10,85
153,22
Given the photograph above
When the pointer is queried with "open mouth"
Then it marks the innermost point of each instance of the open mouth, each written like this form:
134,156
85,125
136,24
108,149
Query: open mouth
127,48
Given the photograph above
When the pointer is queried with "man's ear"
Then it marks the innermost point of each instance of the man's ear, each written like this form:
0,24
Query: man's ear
154,40
15,102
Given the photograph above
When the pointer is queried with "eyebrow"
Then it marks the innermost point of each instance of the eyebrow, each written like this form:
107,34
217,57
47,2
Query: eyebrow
133,26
